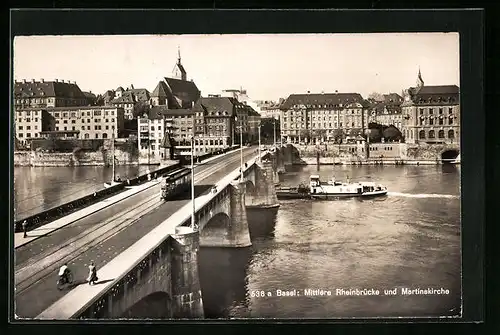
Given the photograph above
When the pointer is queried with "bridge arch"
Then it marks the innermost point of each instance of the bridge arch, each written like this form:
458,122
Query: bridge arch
449,154
157,305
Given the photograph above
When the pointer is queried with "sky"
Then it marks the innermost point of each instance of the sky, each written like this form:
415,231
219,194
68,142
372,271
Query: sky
268,66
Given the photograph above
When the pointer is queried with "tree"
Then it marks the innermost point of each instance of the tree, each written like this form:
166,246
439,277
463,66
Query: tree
140,108
375,135
338,135
392,134
376,96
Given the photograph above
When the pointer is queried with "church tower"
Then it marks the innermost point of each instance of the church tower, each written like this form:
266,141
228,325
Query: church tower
179,72
420,81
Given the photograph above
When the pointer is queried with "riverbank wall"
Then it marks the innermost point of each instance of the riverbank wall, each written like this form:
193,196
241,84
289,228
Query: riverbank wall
373,154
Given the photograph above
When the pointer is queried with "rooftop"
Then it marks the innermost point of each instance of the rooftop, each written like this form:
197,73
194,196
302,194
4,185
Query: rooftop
42,89
314,99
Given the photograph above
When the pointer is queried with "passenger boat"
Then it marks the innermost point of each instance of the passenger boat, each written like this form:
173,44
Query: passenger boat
336,189
287,192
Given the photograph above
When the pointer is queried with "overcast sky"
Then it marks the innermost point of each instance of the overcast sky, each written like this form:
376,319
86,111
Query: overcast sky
267,66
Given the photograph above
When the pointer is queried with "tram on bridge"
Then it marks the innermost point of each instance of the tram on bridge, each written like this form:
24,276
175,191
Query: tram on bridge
175,183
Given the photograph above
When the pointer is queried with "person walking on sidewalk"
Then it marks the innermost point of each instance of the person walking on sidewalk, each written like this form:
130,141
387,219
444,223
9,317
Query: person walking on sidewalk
25,227
92,279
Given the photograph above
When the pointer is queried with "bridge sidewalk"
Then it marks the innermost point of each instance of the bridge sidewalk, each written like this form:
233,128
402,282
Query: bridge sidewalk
34,234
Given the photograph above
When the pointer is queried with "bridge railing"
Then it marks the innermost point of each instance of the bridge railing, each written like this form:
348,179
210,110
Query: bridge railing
128,267
54,213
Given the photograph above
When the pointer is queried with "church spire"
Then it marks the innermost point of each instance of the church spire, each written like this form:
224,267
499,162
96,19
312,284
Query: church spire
178,54
179,72
420,81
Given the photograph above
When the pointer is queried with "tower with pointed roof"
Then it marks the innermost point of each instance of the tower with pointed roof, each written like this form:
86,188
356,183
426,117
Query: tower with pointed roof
420,81
179,72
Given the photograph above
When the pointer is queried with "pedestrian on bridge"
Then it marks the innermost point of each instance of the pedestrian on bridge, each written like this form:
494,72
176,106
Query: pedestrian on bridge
25,227
92,278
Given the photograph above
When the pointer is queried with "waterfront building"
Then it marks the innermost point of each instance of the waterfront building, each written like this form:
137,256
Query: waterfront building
270,109
42,94
322,116
387,112
219,113
127,99
431,114
90,122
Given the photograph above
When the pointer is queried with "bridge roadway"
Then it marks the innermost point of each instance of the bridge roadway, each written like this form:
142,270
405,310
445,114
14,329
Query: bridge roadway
100,237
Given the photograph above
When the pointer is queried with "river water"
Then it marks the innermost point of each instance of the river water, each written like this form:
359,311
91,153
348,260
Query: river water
40,188
407,240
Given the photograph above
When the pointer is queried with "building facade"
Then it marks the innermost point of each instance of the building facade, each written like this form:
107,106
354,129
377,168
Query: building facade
43,94
431,114
320,117
90,122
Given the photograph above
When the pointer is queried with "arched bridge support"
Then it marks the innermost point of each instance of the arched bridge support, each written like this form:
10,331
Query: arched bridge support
264,195
186,290
234,233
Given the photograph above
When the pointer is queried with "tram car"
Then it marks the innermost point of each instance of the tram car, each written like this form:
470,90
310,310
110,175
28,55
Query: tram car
175,183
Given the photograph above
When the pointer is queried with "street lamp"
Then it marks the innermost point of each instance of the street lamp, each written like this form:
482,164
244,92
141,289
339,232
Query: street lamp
274,131
259,140
193,222
241,148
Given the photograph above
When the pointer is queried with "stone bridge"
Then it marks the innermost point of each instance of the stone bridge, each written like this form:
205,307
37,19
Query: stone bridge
165,261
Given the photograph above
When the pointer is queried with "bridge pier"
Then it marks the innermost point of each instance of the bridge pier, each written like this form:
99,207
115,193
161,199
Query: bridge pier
264,195
186,290
234,233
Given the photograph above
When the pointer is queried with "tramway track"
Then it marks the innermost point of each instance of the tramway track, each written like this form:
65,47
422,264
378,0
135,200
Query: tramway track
39,269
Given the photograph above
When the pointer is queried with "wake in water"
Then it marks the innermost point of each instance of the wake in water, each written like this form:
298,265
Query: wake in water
423,195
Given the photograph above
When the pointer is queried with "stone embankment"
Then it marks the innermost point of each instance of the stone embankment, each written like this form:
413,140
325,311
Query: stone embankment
378,154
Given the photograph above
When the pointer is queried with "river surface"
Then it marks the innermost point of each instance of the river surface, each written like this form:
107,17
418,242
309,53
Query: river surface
409,239
37,189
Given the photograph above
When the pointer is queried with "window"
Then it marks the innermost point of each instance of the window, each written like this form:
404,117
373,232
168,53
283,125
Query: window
73,114
450,110
107,120
20,135
421,134
86,136
431,121
65,121
441,121
451,133
421,121
440,111
65,114
36,127
65,128
450,120
431,111
153,147
107,127
112,113
88,127
28,134
36,119
88,120
88,113
28,127
441,134
83,120
421,111
20,127
57,128
83,127
104,135
431,134
97,120
96,135
95,127
73,121
97,113
112,120
28,120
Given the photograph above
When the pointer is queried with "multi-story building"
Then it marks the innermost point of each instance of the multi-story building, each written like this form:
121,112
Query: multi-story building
88,122
127,99
253,124
431,114
42,94
320,116
270,109
219,115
